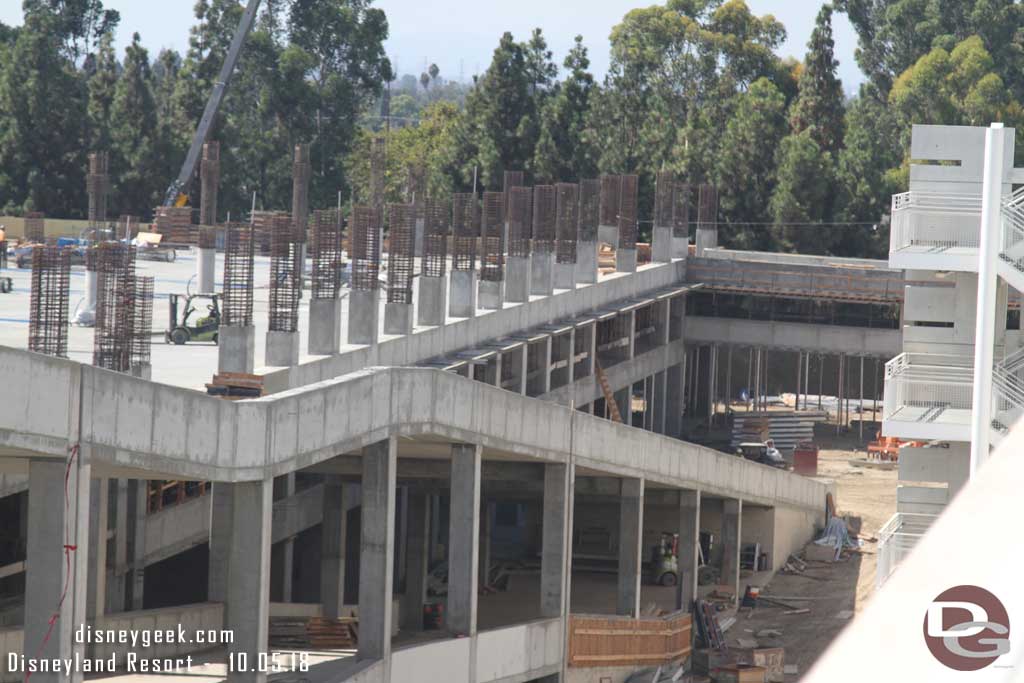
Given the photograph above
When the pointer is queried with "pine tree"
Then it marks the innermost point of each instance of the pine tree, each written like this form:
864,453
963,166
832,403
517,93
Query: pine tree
135,160
819,104
102,84
563,152
802,194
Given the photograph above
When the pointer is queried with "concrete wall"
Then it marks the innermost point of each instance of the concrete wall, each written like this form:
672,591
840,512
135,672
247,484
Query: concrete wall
443,662
795,336
518,653
794,527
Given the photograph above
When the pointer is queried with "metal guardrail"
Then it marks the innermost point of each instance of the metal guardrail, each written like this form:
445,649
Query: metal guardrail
896,539
934,382
935,220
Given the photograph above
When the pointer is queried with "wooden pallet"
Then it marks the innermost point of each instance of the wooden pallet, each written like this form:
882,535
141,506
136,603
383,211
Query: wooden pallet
235,386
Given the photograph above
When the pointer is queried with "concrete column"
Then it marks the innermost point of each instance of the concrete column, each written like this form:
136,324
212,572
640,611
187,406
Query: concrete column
707,238
556,539
96,599
732,516
138,508
117,587
462,303
660,398
332,548
398,318
492,294
517,279
565,275
463,534
417,559
247,611
206,267
689,540
324,327
625,260
523,368
662,247
281,349
432,307
222,515
649,406
586,262
288,554
363,312
542,273
91,289
377,551
674,378
484,553
236,348
53,521
631,532
546,370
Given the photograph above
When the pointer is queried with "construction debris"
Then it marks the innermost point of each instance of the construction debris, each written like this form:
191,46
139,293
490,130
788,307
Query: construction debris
235,386
314,633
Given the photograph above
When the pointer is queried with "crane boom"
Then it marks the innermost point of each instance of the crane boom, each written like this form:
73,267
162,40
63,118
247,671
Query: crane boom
174,195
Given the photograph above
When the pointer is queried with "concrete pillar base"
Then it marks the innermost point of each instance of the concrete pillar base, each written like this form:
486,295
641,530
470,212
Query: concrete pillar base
586,263
625,260
398,318
707,238
324,327
680,247
432,306
609,234
282,349
492,294
565,276
517,279
363,312
206,266
236,348
462,303
662,247
542,274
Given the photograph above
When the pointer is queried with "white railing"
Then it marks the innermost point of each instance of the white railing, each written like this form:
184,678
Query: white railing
935,220
896,539
930,381
1012,249
1007,398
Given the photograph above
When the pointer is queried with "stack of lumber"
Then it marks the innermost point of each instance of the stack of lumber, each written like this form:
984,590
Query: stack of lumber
314,633
606,258
235,385
787,428
175,225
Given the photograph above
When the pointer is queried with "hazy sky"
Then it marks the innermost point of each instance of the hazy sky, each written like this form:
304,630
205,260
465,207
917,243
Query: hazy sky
460,35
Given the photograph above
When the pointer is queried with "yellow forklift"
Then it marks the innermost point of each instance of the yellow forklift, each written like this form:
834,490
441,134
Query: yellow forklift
182,330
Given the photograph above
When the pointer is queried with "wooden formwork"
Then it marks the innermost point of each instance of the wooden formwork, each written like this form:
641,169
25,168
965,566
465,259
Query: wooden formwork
623,641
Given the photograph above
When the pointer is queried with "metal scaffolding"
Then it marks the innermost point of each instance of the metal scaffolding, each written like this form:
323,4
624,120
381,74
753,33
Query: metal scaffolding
238,279
209,182
284,280
465,230
365,249
590,209
35,227
302,171
566,222
48,304
97,186
435,237
520,228
401,256
325,247
141,322
115,296
492,265
610,191
628,186
545,204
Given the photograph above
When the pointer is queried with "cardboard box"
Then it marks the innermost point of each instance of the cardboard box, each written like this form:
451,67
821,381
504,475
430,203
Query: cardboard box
773,660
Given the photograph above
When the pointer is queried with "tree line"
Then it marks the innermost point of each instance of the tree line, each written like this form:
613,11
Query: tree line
693,86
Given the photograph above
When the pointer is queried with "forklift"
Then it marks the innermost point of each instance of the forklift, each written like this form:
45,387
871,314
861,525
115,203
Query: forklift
663,568
206,328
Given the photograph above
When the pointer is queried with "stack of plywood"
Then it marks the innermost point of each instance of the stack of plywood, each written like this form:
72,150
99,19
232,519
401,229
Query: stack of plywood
235,385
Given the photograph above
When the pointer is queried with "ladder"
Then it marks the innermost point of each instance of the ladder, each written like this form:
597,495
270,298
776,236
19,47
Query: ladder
609,396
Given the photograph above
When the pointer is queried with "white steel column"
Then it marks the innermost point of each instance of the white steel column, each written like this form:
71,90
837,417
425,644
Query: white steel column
984,331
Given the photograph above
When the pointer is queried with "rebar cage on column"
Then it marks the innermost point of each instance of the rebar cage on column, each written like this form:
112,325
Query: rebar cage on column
520,227
175,225
590,209
365,249
141,321
671,201
48,303
401,255
325,248
610,191
238,258
302,171
566,221
707,206
209,182
545,204
127,227
284,280
207,237
511,179
115,292
465,230
97,186
264,224
435,237
492,229
681,210
628,186
35,227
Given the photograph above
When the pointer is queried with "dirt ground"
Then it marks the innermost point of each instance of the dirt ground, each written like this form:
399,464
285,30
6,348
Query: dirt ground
832,592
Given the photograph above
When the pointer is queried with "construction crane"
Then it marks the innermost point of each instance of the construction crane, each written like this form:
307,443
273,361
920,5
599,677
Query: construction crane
175,195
